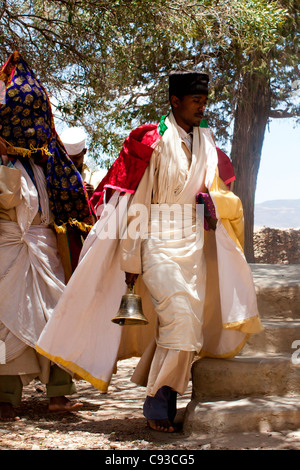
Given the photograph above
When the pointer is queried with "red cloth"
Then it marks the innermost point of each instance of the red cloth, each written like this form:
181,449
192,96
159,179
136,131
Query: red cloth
127,170
225,167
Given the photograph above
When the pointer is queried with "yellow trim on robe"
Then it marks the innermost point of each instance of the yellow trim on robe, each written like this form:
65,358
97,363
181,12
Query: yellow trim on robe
80,373
249,325
228,355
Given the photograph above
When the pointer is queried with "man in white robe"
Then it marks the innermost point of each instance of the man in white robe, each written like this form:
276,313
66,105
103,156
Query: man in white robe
185,283
74,140
41,196
31,283
173,267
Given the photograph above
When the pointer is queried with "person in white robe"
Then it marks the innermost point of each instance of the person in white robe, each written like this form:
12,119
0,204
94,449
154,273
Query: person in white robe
197,289
31,283
74,140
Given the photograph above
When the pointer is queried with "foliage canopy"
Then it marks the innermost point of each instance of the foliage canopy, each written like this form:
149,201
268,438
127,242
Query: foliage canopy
105,62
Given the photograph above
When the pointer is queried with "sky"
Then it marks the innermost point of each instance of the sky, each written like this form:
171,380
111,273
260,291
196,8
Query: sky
279,171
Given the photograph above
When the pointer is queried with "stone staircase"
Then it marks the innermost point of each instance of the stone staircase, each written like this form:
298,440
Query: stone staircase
259,390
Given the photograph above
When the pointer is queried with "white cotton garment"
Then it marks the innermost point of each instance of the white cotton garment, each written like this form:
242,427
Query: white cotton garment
31,273
172,253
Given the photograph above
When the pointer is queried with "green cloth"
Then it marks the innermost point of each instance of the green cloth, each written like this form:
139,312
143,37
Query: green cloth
60,384
10,389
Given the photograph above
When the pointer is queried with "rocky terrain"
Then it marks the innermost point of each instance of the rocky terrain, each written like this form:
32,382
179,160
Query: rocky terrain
114,422
277,246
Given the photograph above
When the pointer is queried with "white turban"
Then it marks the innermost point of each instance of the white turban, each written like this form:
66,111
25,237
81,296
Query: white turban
73,140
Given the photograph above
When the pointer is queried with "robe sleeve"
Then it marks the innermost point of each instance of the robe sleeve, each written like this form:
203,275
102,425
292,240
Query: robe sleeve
135,225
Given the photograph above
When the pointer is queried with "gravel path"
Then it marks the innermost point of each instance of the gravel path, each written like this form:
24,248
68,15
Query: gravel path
114,421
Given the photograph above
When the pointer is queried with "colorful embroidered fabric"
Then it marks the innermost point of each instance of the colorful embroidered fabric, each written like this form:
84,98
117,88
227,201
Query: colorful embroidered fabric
28,129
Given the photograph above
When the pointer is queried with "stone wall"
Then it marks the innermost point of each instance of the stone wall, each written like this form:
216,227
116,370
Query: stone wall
277,246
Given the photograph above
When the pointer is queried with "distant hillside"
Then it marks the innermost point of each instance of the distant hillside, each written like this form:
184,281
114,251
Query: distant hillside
282,213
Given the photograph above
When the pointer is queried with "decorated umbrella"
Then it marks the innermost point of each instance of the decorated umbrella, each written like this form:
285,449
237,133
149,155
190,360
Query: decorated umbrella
27,127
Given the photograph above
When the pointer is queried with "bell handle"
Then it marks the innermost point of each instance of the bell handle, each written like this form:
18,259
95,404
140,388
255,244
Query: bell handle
131,288
130,278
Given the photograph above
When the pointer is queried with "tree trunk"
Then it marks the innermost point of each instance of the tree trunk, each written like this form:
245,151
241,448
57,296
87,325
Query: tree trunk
251,118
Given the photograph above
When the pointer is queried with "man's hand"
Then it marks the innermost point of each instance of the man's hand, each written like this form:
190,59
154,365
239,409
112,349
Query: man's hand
89,188
130,279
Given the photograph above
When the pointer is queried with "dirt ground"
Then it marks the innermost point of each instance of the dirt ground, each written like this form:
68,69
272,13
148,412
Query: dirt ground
114,421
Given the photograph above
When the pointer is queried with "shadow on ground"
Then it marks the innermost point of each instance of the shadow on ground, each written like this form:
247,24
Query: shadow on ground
115,421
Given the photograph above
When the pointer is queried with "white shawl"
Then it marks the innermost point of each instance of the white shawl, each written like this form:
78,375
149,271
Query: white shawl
31,274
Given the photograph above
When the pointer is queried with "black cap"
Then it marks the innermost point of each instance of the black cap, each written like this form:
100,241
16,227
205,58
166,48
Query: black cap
188,82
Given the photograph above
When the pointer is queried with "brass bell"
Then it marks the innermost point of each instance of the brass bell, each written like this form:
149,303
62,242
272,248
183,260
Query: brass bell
130,311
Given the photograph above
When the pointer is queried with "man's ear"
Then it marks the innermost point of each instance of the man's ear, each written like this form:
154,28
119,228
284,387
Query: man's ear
174,100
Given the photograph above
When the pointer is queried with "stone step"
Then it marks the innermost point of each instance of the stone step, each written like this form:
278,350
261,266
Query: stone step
245,376
278,290
261,414
279,336
282,303
259,390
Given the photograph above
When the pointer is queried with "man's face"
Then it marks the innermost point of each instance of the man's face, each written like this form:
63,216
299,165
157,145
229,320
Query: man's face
78,159
189,110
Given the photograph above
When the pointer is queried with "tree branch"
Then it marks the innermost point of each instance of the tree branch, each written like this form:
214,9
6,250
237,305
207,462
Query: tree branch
282,113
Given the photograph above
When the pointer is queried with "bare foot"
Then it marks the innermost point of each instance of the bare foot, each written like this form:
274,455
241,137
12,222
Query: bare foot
163,425
63,404
7,413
